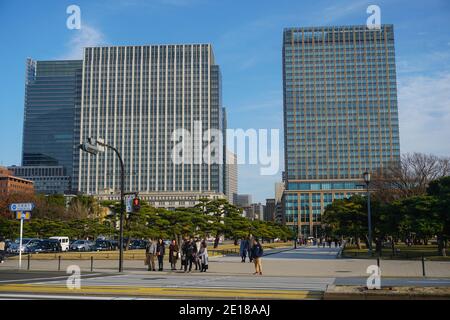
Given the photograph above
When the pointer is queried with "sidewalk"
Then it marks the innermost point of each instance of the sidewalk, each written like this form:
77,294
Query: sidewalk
285,263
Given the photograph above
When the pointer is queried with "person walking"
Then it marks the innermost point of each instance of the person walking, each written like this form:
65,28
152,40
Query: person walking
150,253
173,254
257,253
196,258
189,252
183,254
249,249
203,255
160,251
2,250
243,249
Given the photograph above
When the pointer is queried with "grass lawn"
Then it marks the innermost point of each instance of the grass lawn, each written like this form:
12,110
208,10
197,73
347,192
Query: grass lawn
403,252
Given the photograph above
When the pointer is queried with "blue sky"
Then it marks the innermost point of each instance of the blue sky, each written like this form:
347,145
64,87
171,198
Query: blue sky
246,37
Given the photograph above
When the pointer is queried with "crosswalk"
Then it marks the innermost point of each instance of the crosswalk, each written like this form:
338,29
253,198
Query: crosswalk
195,286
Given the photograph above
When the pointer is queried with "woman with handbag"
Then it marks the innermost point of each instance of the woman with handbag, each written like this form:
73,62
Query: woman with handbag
203,256
173,254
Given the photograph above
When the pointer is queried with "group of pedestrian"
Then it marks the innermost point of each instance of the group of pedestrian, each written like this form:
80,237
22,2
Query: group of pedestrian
192,252
254,250
320,242
329,242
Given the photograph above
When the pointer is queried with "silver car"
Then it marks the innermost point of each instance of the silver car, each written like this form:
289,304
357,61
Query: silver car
81,245
26,242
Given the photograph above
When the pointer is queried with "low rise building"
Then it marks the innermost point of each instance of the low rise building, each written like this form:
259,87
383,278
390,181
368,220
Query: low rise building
168,200
10,184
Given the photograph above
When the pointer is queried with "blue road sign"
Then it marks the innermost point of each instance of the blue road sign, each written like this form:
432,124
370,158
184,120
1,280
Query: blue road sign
21,206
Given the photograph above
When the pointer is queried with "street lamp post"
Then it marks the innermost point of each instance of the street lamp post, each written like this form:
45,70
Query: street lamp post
366,176
92,147
296,235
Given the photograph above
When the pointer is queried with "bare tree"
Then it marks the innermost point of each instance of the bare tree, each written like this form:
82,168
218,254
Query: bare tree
410,176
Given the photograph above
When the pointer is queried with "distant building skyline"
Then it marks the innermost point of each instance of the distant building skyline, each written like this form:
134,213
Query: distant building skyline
247,38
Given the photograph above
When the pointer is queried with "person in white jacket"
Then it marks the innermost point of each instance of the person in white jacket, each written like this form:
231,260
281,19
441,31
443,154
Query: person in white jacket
203,255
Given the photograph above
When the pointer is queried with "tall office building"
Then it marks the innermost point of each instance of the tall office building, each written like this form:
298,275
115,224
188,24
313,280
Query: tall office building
135,97
270,210
52,91
340,115
231,176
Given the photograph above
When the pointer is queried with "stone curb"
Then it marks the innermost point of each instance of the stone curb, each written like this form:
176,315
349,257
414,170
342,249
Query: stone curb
331,294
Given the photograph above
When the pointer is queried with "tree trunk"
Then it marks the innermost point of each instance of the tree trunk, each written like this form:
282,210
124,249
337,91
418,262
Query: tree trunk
216,241
127,245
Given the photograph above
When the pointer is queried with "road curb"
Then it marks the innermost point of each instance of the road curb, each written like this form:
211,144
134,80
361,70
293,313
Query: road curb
334,292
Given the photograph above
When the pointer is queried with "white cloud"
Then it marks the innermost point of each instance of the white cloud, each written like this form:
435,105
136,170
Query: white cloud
87,36
424,111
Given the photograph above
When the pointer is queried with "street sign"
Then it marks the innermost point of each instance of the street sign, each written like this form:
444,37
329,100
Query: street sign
21,206
23,212
129,203
25,215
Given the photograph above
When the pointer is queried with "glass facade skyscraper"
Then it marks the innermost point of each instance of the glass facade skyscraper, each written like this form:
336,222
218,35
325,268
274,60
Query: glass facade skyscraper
134,97
340,115
52,91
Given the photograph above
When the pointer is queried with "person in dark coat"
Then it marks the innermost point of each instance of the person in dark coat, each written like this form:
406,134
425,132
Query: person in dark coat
196,259
243,249
173,254
249,249
189,251
160,251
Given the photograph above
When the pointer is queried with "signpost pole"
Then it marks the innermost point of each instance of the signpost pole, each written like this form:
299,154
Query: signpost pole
20,241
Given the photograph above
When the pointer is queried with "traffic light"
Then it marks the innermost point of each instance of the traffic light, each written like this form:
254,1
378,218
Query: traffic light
136,204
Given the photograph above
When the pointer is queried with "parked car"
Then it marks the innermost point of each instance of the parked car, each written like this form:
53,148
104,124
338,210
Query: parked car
115,244
14,246
42,246
103,245
8,244
64,241
138,244
81,245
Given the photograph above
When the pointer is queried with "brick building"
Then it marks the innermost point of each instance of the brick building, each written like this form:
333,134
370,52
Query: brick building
10,184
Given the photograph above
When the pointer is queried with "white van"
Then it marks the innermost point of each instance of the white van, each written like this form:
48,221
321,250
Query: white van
64,241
